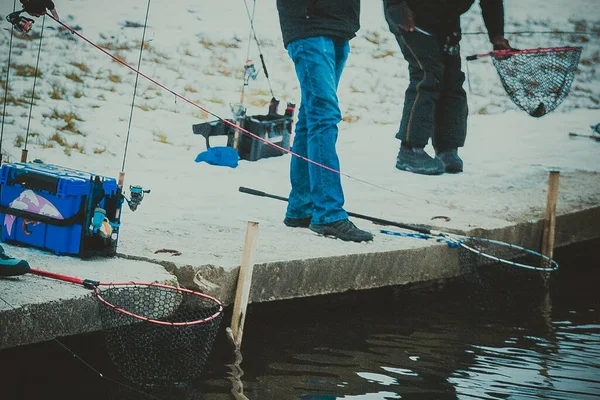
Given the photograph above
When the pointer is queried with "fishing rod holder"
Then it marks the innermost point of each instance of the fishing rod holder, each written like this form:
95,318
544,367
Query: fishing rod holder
20,23
273,129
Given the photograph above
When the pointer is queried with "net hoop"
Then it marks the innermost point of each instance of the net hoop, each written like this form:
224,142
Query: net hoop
505,53
552,265
154,321
545,263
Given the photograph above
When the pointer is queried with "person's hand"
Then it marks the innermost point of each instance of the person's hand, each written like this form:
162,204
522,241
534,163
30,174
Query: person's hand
37,8
402,16
500,43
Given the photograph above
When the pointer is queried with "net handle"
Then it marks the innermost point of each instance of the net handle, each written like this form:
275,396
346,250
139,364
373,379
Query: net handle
91,284
512,52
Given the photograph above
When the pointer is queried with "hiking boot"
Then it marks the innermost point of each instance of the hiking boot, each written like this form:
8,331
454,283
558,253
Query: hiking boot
343,229
297,222
452,162
10,266
416,160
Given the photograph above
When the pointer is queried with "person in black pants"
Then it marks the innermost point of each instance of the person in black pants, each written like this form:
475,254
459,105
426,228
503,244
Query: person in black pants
435,103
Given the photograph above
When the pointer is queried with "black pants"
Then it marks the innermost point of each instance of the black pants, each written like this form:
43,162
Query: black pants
435,103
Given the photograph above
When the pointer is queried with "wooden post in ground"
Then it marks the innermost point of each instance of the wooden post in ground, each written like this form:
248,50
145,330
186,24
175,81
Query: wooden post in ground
242,293
550,220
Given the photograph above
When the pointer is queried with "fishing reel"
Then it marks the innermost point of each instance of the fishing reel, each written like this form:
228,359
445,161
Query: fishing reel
136,196
20,23
238,110
250,72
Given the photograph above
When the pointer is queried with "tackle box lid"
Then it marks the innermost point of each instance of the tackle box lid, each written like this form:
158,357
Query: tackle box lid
52,178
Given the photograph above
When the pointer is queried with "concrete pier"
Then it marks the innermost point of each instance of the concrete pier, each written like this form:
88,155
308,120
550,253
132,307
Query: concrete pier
501,195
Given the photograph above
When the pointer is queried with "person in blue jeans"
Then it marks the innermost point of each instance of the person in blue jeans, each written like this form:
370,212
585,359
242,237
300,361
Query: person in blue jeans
316,35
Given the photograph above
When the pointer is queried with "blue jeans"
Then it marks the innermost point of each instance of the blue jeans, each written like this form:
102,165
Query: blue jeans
317,192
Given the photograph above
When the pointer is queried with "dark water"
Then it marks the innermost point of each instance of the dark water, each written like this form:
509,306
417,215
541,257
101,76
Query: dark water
498,334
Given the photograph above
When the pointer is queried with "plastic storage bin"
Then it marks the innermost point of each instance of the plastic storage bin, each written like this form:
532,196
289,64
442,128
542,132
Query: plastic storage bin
51,207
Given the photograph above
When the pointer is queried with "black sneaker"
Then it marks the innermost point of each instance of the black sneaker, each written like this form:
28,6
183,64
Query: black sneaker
343,229
418,161
452,162
297,222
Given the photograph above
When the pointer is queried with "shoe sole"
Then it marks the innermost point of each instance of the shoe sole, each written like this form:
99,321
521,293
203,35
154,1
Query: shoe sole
295,224
331,235
402,167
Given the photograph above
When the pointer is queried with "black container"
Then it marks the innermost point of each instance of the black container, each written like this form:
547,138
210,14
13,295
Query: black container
272,128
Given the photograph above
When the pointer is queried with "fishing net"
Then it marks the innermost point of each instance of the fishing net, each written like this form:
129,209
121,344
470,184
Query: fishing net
158,335
537,80
477,252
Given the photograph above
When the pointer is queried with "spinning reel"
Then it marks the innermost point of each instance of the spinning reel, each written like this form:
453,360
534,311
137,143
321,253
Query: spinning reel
136,196
250,72
20,23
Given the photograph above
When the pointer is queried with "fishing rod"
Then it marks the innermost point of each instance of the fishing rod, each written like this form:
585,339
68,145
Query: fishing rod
481,250
594,137
22,24
35,74
7,75
253,33
250,72
537,32
233,125
136,192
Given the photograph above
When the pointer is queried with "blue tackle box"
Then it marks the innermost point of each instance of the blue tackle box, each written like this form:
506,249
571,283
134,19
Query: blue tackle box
66,211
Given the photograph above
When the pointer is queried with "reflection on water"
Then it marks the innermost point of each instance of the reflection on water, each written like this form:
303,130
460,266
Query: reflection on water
499,333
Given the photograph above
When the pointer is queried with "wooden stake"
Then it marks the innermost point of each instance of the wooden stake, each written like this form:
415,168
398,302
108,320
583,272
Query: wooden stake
23,155
244,282
550,220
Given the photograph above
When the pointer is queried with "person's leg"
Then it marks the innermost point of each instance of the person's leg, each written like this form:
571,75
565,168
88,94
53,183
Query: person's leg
425,69
319,63
300,206
422,52
452,112
316,68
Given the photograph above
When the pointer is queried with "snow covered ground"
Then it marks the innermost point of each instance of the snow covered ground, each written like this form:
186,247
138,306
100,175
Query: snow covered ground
81,114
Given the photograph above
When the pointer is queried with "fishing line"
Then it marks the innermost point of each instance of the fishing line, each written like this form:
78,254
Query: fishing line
239,128
6,83
135,89
35,74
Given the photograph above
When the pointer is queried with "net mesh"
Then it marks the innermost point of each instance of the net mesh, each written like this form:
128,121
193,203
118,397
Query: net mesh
151,354
537,80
